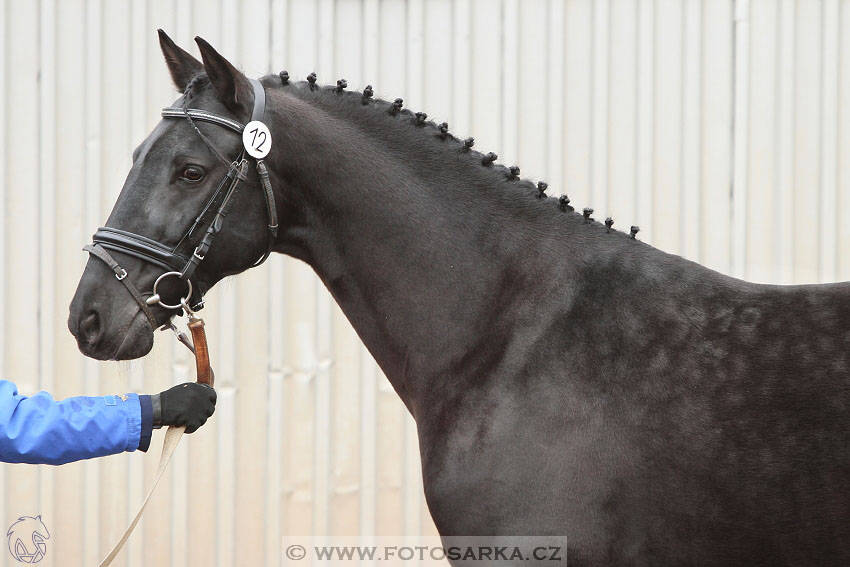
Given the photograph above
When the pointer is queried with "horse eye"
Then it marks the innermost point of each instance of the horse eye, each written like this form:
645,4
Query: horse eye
193,173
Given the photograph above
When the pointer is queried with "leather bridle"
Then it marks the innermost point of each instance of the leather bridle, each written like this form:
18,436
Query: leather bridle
175,261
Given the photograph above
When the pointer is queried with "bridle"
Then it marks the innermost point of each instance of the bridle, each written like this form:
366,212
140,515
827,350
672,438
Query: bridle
175,261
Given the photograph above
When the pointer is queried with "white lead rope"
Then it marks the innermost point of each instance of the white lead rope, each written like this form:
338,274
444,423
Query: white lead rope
206,376
172,438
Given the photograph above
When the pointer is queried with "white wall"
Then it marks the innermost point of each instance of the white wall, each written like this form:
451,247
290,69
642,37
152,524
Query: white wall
721,127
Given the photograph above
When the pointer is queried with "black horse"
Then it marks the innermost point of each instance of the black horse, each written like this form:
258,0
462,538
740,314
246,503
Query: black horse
566,379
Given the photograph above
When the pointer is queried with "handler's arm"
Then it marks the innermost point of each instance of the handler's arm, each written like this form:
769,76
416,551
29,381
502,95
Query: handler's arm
40,430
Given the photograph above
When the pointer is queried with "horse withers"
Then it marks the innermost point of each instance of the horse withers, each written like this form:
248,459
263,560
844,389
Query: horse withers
566,379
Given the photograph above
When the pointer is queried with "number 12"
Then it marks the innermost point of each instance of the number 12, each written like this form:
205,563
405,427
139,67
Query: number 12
254,143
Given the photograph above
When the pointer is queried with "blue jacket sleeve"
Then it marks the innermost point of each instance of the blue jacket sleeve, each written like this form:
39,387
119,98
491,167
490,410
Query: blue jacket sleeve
40,430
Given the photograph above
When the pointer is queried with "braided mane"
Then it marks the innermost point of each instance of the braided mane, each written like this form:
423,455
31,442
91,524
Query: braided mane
338,100
377,115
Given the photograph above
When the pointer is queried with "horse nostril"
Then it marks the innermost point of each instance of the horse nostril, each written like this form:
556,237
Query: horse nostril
90,328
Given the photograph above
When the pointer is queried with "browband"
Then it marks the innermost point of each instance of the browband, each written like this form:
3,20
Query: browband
202,116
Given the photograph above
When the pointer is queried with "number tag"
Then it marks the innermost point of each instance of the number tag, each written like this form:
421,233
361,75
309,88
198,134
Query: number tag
257,139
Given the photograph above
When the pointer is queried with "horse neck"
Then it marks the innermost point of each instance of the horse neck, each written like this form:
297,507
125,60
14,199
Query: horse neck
425,267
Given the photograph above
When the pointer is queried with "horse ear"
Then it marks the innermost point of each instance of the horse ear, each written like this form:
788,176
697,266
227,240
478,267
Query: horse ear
181,64
232,86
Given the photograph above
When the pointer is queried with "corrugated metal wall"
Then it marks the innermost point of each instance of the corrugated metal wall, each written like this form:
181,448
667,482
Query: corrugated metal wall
721,127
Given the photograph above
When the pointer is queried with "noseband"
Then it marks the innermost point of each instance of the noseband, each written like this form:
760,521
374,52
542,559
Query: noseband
175,262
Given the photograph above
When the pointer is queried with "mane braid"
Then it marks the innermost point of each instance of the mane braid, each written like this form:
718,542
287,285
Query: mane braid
360,107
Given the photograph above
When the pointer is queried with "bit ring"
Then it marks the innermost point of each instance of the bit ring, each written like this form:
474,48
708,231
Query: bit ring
155,299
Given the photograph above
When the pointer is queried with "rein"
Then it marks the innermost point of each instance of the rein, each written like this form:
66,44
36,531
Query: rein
176,264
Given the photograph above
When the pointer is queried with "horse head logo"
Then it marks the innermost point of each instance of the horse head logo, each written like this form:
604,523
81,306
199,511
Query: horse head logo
28,539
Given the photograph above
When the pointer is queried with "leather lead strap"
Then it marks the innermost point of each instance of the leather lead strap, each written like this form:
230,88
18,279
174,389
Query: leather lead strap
174,433
202,352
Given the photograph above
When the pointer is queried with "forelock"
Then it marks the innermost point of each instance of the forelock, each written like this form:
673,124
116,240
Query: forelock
196,86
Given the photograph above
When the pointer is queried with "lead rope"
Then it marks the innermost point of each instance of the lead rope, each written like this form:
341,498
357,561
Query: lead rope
174,433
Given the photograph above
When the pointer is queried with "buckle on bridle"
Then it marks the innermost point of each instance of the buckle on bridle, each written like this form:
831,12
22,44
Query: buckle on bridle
197,254
122,275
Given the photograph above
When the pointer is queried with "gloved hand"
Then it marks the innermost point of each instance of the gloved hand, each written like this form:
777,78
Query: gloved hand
188,404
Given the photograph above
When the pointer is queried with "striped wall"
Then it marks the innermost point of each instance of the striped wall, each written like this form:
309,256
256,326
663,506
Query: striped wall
721,127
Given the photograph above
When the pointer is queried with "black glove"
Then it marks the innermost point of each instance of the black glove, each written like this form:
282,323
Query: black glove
188,404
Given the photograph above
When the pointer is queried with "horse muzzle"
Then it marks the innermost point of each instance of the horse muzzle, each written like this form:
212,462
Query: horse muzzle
105,324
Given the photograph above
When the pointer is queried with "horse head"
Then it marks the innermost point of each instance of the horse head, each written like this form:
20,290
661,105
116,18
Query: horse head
172,199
